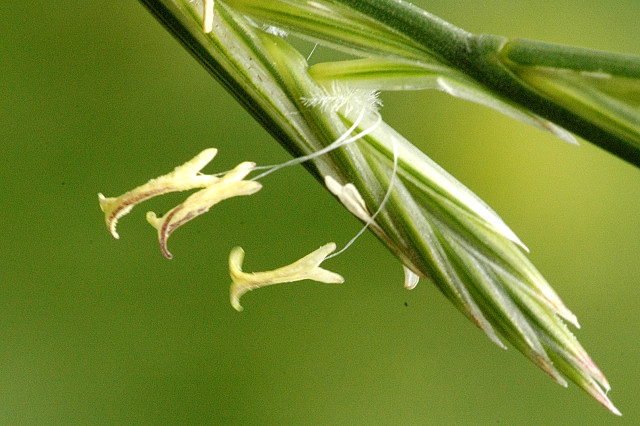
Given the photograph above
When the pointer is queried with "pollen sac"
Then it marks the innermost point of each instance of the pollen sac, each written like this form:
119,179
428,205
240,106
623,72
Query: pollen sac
307,268
183,178
410,278
230,185
349,197
207,16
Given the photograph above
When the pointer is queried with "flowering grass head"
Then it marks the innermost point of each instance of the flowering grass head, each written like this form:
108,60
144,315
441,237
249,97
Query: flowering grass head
328,116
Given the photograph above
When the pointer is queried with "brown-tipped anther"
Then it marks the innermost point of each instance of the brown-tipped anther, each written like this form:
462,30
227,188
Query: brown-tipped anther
198,203
182,178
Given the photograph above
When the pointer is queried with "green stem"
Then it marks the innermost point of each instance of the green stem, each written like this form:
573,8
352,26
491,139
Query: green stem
492,61
479,57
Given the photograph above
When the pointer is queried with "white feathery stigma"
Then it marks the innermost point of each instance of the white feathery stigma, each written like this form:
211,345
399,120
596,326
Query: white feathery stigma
343,98
278,32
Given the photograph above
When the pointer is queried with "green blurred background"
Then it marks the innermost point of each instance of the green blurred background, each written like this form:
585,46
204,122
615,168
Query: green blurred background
97,97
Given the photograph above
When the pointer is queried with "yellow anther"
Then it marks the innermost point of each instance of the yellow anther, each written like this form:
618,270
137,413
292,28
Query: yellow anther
306,268
230,185
183,178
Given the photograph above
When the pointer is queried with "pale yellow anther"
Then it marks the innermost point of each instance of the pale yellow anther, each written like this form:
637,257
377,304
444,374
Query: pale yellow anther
207,16
183,178
306,268
349,197
410,278
230,185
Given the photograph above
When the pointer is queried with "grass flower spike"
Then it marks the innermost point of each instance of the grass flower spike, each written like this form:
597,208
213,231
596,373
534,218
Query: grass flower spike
435,226
307,268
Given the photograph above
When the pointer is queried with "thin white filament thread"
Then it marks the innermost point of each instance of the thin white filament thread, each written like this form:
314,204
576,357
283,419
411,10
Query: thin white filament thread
341,141
312,50
392,180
